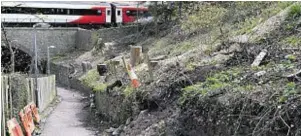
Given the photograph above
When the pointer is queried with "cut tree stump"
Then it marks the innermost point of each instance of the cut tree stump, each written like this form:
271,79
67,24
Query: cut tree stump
86,66
259,58
135,55
150,68
102,69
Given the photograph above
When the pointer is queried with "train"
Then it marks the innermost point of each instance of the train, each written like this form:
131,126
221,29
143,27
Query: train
63,13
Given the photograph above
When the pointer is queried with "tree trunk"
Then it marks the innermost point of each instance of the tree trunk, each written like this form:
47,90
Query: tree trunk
180,10
12,57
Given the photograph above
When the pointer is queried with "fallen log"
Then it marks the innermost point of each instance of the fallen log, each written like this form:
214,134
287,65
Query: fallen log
161,57
294,77
259,58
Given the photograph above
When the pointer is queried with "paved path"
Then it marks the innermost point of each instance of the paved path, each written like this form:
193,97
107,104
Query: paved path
66,118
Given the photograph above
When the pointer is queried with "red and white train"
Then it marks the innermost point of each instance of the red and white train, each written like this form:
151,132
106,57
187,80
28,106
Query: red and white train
72,13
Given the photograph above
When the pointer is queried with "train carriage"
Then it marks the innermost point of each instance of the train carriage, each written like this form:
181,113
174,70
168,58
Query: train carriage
72,13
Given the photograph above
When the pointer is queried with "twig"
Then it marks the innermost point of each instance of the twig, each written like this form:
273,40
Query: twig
289,128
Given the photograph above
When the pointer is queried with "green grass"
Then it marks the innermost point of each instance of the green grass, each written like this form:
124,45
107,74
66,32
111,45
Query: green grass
292,40
216,82
128,91
267,10
295,11
91,78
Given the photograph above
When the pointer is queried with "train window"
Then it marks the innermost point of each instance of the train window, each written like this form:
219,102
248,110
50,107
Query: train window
27,10
118,12
98,12
109,12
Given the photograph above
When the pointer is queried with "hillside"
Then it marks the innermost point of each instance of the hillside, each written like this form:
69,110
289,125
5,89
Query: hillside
205,84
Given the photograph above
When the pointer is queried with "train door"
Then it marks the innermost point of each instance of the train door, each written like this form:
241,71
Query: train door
108,15
118,15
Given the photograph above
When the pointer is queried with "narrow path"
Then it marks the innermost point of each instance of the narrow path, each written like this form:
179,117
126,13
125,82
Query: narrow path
67,118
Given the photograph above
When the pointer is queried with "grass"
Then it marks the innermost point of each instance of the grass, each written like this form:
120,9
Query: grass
295,11
91,78
216,82
128,91
267,10
292,40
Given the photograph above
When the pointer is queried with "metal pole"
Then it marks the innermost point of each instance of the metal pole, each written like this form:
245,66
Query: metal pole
48,61
36,66
35,52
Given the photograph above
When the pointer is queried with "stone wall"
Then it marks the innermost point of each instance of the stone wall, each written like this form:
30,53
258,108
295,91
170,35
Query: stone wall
115,33
63,38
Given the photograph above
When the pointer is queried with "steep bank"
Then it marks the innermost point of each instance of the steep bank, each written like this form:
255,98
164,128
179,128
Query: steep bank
205,84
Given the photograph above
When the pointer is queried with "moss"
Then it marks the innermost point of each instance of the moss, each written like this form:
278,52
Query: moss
91,79
99,87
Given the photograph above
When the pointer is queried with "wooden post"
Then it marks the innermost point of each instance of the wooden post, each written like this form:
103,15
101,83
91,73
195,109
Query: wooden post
135,55
10,98
124,64
3,90
86,66
150,68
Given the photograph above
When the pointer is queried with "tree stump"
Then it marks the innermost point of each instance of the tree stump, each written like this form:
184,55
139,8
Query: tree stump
135,55
86,66
102,69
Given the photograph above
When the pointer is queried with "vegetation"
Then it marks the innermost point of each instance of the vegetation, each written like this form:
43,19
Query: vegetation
91,80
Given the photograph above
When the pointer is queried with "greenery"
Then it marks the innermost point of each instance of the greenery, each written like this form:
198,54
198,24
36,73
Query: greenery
207,17
128,91
216,82
295,11
292,40
91,78
289,90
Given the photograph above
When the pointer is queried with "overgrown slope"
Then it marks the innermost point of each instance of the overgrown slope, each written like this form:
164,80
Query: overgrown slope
206,85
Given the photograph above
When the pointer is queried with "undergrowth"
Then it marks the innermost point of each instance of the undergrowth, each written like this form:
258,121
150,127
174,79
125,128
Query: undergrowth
91,80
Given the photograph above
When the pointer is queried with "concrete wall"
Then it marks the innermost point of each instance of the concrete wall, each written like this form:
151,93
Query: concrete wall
46,91
65,39
61,72
115,33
